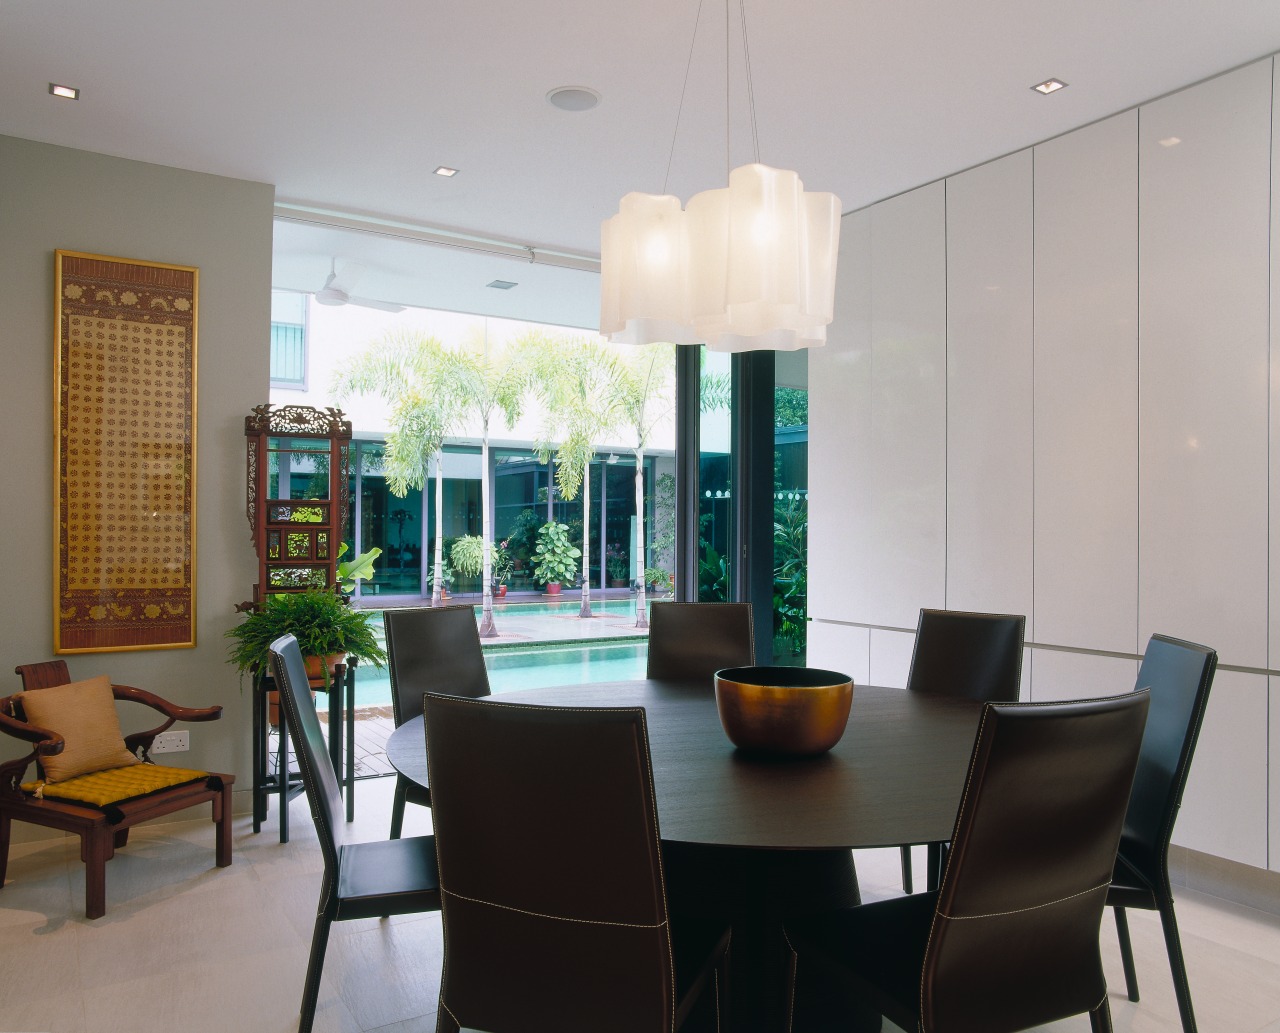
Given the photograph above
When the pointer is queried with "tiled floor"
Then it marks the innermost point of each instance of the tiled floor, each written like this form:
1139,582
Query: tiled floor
188,947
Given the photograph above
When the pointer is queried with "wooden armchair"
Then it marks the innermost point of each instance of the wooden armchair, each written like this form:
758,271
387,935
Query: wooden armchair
101,807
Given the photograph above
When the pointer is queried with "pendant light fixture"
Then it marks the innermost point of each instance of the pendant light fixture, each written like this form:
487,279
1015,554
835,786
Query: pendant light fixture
748,267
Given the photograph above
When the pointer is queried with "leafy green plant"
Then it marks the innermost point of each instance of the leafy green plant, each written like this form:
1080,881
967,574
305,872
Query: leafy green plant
616,564
467,555
790,575
522,538
319,619
501,562
657,577
555,555
351,572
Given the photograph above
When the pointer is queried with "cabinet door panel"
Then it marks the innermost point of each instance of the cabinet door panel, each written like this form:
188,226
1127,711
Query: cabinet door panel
989,388
1204,194
840,647
1086,388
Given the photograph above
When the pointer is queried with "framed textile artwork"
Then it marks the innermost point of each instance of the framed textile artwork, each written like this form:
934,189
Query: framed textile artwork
125,377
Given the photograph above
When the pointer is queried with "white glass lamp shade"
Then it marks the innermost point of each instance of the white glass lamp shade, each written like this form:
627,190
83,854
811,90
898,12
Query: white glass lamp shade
760,261
644,272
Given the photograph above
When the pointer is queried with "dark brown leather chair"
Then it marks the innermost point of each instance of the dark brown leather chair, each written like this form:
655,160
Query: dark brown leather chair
429,649
1179,675
1010,940
555,912
972,655
691,641
361,880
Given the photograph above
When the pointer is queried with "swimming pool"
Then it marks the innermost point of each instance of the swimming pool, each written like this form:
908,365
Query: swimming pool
529,667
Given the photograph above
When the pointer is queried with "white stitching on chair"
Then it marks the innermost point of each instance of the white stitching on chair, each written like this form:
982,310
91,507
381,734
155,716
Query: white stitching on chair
1023,910
556,918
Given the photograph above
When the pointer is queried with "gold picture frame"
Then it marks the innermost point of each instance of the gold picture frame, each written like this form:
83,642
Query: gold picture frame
125,435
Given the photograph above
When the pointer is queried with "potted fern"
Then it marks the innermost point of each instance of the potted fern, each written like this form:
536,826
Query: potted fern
327,629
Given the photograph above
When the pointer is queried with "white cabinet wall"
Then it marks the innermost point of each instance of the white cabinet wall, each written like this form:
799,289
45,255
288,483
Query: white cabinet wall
1204,232
1224,809
1103,449
1086,388
879,392
989,388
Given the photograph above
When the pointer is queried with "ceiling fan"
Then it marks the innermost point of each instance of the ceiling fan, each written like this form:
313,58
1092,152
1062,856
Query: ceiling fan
337,290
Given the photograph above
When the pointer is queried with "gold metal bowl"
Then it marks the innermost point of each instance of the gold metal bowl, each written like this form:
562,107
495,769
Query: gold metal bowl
785,711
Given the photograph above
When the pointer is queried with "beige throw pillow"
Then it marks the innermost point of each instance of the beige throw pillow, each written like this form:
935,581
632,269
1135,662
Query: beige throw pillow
84,714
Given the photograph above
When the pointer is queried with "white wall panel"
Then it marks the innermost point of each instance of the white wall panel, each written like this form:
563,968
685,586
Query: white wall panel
907,565
1057,675
1086,389
1224,810
1274,555
891,657
989,388
840,647
840,437
1204,228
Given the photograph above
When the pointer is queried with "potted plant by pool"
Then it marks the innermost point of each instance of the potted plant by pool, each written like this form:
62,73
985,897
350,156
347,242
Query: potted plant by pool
327,629
554,559
501,563
657,579
616,564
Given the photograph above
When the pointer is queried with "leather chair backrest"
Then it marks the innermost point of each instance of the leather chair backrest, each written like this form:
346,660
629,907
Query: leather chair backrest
1179,675
290,673
1014,942
550,868
973,655
691,641
432,649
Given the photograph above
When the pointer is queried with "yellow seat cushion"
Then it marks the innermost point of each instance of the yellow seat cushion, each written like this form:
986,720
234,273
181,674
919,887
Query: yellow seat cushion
84,714
103,788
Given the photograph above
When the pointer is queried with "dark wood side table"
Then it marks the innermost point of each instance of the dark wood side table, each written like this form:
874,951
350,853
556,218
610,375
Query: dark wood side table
286,783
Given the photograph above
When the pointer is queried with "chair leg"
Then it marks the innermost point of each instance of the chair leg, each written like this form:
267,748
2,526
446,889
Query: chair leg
1126,953
120,839
222,836
906,869
315,965
933,875
6,827
397,807
1177,965
1100,1017
95,850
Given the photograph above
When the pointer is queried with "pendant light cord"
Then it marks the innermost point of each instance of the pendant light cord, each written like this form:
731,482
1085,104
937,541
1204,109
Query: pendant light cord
751,93
683,88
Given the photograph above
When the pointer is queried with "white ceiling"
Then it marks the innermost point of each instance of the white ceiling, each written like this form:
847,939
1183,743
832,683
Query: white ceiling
349,108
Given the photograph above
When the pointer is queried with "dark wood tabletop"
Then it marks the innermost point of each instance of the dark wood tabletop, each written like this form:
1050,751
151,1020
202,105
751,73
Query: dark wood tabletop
895,777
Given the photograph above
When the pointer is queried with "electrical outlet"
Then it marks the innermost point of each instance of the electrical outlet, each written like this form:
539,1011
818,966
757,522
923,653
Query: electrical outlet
171,742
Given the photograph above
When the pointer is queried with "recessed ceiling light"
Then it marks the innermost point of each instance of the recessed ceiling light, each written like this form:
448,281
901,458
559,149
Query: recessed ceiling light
1049,86
573,98
1171,141
502,285
444,170
70,92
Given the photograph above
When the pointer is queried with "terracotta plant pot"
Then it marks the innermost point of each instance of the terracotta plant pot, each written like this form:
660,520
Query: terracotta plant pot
553,588
618,582
315,678
502,590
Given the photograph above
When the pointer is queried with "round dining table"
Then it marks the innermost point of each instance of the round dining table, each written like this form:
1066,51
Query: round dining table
895,776
756,839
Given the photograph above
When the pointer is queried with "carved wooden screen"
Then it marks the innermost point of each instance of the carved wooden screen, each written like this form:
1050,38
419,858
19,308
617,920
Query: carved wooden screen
299,464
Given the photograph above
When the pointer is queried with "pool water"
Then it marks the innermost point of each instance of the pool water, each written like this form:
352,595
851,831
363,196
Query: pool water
513,669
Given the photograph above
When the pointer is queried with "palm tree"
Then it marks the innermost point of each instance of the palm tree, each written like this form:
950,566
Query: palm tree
492,382
577,379
647,397
418,378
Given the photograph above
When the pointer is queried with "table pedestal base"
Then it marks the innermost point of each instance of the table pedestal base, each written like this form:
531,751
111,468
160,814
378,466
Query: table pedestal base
756,891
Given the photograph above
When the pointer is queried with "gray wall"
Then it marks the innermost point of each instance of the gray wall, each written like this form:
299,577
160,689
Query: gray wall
55,197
